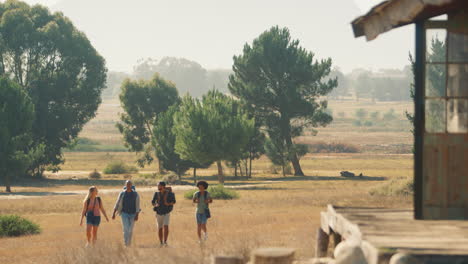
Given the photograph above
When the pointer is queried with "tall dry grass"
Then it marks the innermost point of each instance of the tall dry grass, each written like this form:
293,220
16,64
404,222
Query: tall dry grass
281,214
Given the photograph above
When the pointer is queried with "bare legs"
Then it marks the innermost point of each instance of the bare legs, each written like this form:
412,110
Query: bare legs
163,232
91,233
201,227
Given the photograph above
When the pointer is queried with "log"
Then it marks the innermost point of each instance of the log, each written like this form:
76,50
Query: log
321,246
273,256
227,260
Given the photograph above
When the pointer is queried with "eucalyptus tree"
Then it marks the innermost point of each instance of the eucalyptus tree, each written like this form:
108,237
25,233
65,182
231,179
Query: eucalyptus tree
59,69
143,102
16,119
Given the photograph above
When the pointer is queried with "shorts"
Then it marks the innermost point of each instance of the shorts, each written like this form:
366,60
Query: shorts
93,220
163,220
201,218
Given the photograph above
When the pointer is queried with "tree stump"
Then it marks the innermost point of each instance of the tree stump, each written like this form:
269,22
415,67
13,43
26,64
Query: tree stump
321,246
273,256
227,260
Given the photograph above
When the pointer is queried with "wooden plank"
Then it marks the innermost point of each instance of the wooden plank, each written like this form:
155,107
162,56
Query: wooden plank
324,224
321,243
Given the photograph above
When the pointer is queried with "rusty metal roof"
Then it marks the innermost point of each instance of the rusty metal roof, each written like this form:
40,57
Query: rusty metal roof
395,13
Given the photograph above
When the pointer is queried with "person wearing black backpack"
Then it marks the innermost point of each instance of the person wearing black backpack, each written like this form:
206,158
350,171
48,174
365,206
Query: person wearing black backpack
202,198
163,203
92,208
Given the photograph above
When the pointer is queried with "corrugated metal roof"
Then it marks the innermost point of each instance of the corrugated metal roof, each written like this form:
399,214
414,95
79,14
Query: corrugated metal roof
395,13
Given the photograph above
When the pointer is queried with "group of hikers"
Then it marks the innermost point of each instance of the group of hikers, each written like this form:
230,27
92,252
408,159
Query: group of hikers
128,206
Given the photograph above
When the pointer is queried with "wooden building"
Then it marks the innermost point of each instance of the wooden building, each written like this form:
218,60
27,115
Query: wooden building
441,98
436,231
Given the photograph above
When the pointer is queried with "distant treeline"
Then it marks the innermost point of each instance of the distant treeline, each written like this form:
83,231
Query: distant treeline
384,85
189,76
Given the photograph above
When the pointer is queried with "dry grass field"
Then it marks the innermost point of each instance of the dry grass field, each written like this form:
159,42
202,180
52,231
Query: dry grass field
272,210
281,212
381,137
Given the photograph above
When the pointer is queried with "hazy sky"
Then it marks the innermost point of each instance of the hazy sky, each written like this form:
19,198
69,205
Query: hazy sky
212,31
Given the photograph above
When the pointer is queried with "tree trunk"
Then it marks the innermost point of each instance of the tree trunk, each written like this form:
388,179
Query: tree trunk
240,168
250,165
7,184
160,168
246,168
220,172
194,175
283,169
294,159
235,170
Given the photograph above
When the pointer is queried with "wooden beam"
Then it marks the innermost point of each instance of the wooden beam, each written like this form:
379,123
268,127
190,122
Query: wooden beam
273,256
321,243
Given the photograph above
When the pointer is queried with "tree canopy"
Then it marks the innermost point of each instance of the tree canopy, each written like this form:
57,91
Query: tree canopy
212,129
281,81
16,119
58,67
142,102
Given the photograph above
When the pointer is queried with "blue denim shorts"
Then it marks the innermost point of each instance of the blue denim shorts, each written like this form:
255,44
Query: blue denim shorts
201,218
93,220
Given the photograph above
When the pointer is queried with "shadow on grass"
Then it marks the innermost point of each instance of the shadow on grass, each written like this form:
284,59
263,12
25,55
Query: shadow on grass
322,178
43,182
37,193
258,188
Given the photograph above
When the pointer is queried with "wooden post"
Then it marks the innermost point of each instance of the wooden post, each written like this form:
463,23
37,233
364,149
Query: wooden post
321,246
336,238
273,256
227,260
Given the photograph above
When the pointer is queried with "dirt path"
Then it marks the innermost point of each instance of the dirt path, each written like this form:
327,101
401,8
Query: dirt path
28,195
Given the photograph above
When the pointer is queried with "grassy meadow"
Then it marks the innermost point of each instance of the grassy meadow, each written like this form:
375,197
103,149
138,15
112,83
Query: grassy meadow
272,210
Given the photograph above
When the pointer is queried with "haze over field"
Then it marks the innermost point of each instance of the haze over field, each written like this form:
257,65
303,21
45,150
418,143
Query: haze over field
211,32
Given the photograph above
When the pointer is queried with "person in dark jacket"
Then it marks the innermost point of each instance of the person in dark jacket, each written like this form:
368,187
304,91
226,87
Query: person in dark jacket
128,206
163,203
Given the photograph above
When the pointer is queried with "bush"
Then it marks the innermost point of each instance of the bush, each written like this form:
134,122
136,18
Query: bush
375,116
94,175
216,192
361,113
357,123
170,178
119,167
390,115
273,169
13,225
368,123
395,187
323,147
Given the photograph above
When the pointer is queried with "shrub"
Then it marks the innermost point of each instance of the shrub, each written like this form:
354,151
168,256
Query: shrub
395,187
361,113
170,178
368,123
94,175
323,147
13,225
390,115
273,169
119,167
357,123
216,192
375,116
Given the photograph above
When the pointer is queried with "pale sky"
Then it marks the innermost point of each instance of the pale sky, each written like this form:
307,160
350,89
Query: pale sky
212,31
